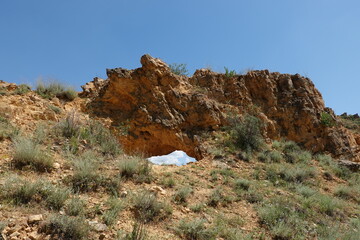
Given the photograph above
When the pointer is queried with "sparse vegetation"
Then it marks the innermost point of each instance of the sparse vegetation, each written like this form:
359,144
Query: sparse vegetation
138,233
6,129
229,73
66,228
147,208
29,153
218,197
53,89
179,69
22,89
75,207
111,214
181,195
194,230
135,168
327,120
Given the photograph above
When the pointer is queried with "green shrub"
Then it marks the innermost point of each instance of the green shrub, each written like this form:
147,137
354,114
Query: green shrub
305,191
326,119
168,182
138,233
229,73
241,185
147,208
86,176
327,205
55,89
348,192
19,191
284,219
65,227
55,109
329,164
55,197
28,153
70,126
6,129
179,69
110,216
194,230
247,135
135,168
75,207
289,173
22,89
197,208
181,195
218,197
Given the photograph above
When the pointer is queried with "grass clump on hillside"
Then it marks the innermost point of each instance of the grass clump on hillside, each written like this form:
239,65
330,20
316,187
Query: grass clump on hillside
135,168
148,208
28,153
7,130
110,216
19,191
66,228
181,195
194,230
138,233
229,73
331,166
75,207
218,197
53,89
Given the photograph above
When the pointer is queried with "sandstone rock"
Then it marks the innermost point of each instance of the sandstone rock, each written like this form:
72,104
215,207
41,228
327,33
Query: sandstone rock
57,165
35,218
163,112
157,189
353,166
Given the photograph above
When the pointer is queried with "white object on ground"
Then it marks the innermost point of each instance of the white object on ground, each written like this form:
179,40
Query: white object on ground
177,157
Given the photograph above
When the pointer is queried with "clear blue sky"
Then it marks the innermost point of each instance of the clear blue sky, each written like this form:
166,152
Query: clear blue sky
74,41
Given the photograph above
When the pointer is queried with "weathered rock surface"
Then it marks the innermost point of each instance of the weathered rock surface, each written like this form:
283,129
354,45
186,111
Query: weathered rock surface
164,112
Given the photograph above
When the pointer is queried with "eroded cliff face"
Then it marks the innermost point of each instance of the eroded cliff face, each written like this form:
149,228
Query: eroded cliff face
166,112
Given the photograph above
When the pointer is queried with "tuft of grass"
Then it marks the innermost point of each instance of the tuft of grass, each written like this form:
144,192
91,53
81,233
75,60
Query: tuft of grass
70,126
135,168
229,73
138,233
197,208
168,182
65,227
22,89
194,230
55,109
179,69
53,89
55,197
348,192
327,120
86,176
181,195
111,215
290,173
6,129
218,197
75,207
327,205
147,208
29,153
330,165
241,185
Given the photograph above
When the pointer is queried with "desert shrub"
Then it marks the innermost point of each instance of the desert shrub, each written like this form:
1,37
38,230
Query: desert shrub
229,73
110,216
55,109
218,197
194,230
70,126
6,129
290,173
326,119
138,233
86,176
28,153
54,197
168,182
305,191
75,207
330,165
181,195
348,192
246,134
19,191
326,204
135,168
179,69
98,135
55,89
197,208
284,219
22,89
147,208
253,196
228,227
241,185
65,227
270,156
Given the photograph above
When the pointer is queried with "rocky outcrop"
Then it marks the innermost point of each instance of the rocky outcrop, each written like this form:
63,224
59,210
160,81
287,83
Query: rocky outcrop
165,112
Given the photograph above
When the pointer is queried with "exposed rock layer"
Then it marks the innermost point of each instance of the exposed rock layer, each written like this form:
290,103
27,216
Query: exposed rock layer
165,112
